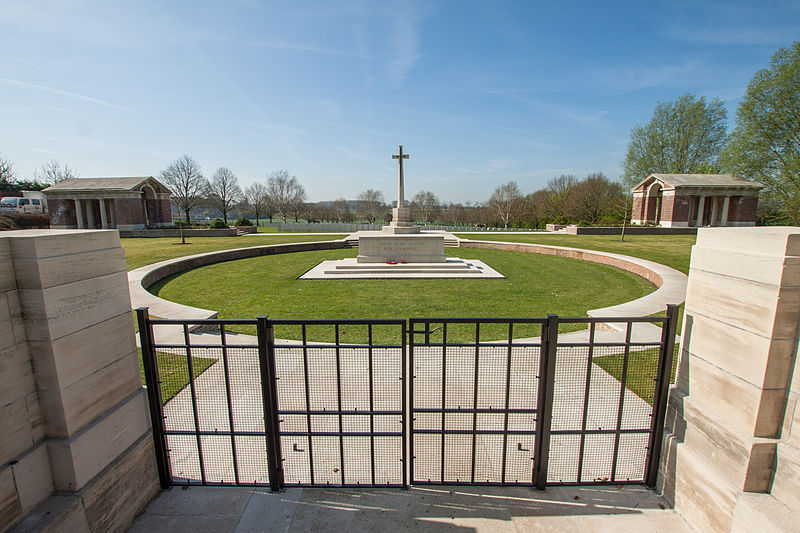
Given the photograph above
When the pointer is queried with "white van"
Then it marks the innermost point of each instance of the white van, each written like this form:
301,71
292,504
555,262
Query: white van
17,204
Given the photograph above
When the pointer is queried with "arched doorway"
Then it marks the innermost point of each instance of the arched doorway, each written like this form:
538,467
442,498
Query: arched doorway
653,203
148,203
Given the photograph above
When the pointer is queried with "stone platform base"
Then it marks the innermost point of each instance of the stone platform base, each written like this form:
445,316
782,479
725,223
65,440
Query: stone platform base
380,247
453,267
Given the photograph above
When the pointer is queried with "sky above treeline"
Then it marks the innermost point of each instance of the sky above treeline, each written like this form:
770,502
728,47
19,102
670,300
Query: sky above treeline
479,93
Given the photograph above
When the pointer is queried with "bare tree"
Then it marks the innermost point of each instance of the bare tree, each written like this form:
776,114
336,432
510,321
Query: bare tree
340,207
186,183
505,201
559,189
6,173
593,198
224,191
371,205
256,199
286,195
53,172
426,206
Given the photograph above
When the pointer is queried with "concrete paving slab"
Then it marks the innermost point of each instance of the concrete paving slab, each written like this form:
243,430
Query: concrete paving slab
473,509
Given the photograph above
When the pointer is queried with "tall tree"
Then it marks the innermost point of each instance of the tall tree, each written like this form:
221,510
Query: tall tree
186,183
286,195
594,198
371,205
505,201
256,199
558,191
6,174
53,172
224,191
426,206
340,207
684,136
765,145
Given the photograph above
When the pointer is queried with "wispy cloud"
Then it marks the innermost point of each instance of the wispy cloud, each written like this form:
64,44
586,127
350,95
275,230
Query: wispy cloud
21,61
62,92
405,39
65,111
331,107
51,152
625,78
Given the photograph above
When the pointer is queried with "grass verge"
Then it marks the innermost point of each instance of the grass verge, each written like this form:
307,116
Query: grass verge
642,370
173,372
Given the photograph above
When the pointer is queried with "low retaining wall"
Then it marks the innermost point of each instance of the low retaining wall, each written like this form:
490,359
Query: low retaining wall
671,283
629,230
140,279
572,253
173,232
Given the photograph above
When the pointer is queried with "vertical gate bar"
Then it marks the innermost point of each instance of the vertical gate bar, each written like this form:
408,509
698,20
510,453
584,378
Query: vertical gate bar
269,397
586,400
371,406
544,400
409,428
660,398
404,417
308,403
187,345
444,393
475,398
508,396
153,384
339,399
622,388
224,343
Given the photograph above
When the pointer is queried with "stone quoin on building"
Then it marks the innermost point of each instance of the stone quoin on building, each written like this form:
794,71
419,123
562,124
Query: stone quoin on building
109,203
695,200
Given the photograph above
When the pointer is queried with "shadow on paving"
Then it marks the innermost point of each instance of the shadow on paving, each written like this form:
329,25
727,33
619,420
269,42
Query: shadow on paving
437,508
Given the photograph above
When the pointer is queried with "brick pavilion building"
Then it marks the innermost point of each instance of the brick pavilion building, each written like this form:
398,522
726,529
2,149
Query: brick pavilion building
121,203
694,200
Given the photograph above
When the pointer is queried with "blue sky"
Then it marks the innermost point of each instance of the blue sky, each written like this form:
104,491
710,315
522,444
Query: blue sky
479,93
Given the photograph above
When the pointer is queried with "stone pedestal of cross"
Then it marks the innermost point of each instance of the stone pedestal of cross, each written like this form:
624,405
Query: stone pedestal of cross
401,215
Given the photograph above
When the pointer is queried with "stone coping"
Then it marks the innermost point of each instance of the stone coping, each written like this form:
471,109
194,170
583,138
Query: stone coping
671,283
142,278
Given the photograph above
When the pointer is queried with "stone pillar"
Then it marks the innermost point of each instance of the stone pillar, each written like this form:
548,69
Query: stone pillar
103,216
700,205
79,213
713,219
88,415
732,447
90,214
725,206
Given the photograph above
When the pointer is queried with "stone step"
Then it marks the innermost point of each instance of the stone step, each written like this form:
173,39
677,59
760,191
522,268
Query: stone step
351,271
762,513
786,485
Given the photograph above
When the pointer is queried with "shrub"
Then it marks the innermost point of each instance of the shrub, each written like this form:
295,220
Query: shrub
242,221
24,221
217,223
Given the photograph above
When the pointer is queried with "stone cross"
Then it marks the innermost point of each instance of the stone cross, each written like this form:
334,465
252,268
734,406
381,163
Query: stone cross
400,196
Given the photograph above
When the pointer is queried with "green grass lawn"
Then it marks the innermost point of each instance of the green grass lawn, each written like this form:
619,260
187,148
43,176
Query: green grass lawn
144,251
670,250
642,370
535,285
174,373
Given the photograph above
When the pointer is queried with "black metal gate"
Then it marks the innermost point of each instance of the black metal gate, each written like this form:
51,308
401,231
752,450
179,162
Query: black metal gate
487,401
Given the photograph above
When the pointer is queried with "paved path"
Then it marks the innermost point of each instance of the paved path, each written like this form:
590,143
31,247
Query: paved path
629,509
